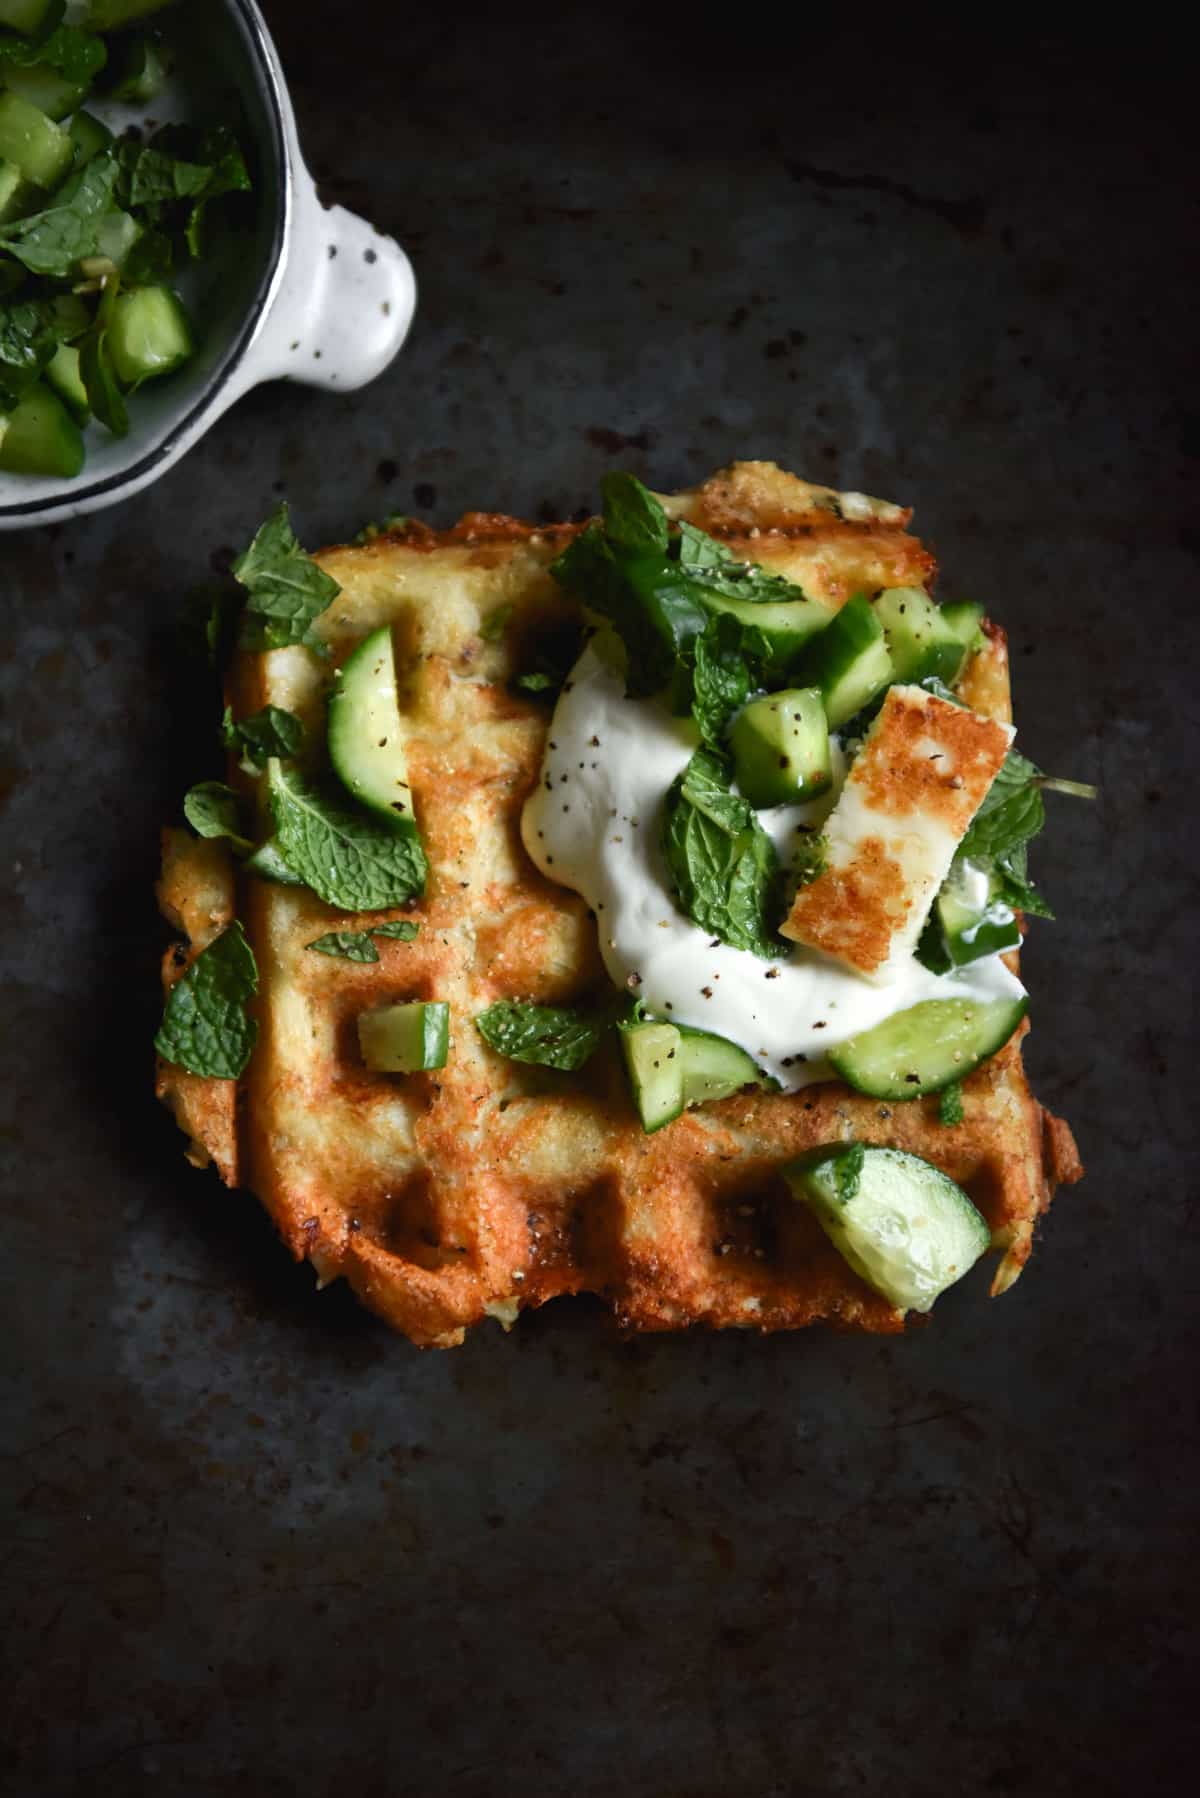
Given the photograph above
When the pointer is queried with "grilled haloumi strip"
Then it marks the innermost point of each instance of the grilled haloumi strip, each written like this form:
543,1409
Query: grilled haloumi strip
913,789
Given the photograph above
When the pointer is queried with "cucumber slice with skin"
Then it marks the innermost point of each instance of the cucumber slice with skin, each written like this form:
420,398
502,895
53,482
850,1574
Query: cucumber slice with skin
920,642
714,1068
974,922
41,149
965,618
24,15
89,135
924,1048
62,373
112,15
18,196
902,1225
780,748
654,1063
137,73
366,736
42,437
787,624
405,1039
148,336
848,661
46,89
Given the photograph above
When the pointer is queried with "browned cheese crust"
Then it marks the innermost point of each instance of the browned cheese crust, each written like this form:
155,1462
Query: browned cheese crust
488,1186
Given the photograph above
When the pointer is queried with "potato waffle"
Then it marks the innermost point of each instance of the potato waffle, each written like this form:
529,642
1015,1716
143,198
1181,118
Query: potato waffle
488,1186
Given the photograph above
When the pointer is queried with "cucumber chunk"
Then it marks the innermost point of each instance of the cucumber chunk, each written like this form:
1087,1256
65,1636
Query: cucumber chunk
137,73
148,336
973,920
902,1225
24,15
965,618
62,373
366,736
848,661
654,1064
405,1039
713,1067
54,94
42,437
18,196
920,642
781,748
89,135
41,149
924,1048
787,624
267,862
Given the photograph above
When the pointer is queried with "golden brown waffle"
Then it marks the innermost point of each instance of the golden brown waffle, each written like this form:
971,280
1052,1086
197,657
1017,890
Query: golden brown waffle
488,1186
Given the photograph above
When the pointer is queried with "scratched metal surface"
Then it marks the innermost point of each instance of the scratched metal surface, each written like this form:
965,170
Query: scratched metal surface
256,1546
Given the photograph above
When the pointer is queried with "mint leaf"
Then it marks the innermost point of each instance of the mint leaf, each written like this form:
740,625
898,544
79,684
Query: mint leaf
633,519
718,569
206,623
950,1104
214,810
28,339
351,945
727,667
549,1036
52,241
357,945
847,1172
652,606
286,591
272,731
150,177
345,857
809,858
722,863
205,1028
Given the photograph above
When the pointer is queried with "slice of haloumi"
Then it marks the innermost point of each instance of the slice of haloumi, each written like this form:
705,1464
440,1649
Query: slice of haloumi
914,787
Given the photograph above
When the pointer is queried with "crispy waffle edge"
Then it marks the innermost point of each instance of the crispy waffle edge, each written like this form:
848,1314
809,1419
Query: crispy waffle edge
487,1188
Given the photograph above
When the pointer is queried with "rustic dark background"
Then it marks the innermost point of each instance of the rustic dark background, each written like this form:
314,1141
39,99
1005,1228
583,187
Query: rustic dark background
257,1546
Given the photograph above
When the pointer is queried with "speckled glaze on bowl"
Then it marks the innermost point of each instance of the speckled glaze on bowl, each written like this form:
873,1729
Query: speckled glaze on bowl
318,295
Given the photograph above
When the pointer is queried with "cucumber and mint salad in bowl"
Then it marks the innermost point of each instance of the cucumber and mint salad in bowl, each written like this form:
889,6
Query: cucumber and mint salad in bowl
162,248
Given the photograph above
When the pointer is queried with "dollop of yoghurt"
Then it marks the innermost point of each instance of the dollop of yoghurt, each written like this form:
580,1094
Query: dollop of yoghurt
594,824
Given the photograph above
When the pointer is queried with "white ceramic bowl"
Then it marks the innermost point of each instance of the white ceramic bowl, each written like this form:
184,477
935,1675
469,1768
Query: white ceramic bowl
315,294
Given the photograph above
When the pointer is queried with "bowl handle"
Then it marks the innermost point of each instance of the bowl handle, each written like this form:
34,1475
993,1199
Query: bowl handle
345,304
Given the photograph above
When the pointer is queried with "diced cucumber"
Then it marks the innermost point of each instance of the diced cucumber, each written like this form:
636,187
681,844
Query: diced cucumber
46,89
136,74
973,920
902,1225
267,862
366,736
920,642
62,372
965,618
405,1039
100,382
787,624
42,437
655,1068
17,195
89,135
41,149
781,748
848,661
149,335
116,234
24,15
111,15
924,1048
713,1067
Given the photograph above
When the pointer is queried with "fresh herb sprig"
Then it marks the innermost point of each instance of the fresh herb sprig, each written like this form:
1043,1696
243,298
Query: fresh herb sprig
551,1036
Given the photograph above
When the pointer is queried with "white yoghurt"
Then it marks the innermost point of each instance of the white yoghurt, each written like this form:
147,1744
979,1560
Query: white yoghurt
594,822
